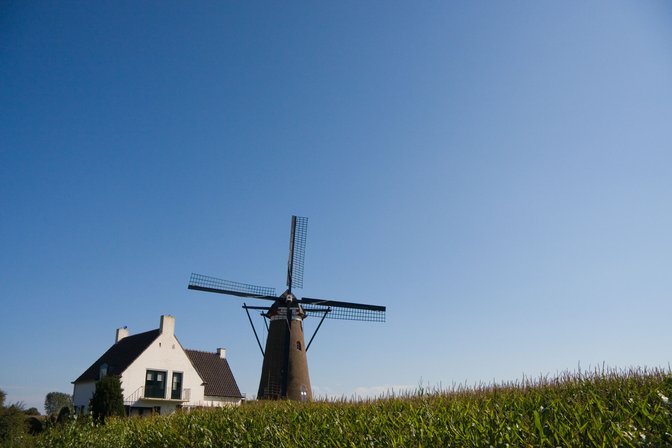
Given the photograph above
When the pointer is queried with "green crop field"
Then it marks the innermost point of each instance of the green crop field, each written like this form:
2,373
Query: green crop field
602,409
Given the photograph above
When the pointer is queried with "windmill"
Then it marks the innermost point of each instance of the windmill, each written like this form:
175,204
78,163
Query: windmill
284,373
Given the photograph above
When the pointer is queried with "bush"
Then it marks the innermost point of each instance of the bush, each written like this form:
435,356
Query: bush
32,411
63,415
35,425
12,426
16,425
108,399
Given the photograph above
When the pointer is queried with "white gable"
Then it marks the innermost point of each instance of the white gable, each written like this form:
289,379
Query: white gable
161,378
167,356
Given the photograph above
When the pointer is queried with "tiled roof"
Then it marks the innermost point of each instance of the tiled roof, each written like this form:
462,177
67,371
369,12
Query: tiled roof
216,373
120,355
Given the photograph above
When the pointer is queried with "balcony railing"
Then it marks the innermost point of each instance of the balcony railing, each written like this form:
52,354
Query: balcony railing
139,394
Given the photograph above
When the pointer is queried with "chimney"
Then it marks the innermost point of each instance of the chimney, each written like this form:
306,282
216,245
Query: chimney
121,334
167,324
221,352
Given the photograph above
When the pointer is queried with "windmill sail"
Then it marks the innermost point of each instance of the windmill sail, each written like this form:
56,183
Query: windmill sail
344,310
297,252
212,284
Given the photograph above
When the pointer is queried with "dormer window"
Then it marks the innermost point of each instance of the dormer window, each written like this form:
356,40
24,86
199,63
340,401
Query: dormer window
103,371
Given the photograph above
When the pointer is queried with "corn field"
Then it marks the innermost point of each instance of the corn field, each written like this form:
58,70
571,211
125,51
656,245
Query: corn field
601,409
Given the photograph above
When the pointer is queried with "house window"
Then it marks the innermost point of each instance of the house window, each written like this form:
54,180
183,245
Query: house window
176,389
155,384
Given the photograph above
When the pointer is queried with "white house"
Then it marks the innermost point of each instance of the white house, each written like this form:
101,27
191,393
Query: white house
158,375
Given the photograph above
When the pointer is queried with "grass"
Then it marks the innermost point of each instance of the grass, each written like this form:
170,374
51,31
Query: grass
602,409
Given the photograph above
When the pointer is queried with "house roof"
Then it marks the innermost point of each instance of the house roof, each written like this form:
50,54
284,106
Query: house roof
216,374
120,355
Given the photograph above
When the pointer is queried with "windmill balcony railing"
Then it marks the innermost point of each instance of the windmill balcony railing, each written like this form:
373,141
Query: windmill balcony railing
140,394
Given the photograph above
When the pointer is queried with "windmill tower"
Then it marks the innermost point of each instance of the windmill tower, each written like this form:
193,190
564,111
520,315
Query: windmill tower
284,373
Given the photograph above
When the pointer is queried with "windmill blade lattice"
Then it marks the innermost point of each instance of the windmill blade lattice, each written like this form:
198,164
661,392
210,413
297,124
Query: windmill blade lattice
213,284
343,310
297,251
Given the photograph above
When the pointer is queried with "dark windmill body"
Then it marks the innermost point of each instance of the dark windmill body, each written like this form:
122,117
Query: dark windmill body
284,373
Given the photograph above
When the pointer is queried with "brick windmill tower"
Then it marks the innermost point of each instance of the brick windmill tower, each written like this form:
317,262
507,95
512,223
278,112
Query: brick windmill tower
284,374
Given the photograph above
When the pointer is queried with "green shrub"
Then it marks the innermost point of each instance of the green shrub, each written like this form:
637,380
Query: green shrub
35,425
108,399
13,427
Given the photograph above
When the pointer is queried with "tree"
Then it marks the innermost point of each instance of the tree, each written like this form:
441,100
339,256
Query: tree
108,399
12,423
55,401
32,411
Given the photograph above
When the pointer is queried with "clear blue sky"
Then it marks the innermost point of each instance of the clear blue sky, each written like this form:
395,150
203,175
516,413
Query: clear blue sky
499,174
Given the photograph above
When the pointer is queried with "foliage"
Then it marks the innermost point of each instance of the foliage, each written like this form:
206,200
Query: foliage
35,424
55,401
13,425
32,411
64,415
108,399
629,409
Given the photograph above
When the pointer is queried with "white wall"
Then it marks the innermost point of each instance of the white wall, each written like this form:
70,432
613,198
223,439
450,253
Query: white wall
83,393
167,355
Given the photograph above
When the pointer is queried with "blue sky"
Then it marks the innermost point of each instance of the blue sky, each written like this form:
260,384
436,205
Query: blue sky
497,174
